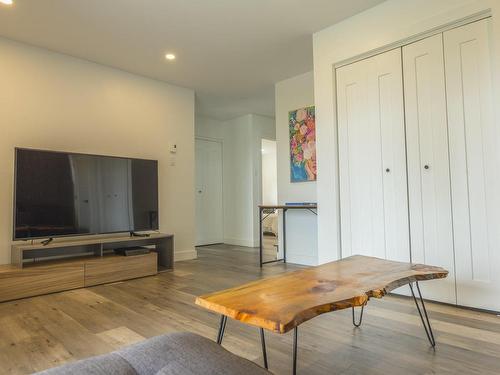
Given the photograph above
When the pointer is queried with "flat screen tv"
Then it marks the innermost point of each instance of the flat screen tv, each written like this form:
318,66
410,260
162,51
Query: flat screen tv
68,194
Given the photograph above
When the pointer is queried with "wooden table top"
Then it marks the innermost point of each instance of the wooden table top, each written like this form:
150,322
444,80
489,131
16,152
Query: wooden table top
283,302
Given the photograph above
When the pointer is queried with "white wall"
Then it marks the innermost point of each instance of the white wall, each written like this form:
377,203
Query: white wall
52,101
302,232
383,25
241,140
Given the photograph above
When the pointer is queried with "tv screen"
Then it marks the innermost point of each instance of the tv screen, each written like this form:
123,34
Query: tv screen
65,194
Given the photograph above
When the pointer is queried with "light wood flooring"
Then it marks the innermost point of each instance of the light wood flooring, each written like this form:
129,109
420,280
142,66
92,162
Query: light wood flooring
42,332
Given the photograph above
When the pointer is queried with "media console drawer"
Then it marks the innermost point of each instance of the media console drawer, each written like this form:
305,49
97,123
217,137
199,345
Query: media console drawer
33,281
117,268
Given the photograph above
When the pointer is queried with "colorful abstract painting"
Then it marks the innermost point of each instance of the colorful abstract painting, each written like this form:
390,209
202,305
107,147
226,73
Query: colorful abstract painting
302,130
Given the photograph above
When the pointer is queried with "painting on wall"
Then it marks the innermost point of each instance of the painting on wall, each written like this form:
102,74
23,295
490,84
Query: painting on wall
302,130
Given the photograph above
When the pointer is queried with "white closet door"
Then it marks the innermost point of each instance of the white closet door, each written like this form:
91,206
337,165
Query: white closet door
429,194
474,165
209,198
373,196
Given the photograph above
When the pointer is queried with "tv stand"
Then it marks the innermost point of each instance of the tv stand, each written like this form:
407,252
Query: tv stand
64,264
135,234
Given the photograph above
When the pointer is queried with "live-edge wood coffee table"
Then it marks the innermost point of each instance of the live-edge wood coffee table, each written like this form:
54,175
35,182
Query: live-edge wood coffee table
283,302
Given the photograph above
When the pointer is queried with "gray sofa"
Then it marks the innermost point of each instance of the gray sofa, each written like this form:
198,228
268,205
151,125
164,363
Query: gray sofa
172,354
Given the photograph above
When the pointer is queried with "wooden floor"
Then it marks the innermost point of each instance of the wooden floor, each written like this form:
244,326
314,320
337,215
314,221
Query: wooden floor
43,332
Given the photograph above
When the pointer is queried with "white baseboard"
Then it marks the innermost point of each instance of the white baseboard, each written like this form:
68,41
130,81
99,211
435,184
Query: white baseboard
239,242
185,255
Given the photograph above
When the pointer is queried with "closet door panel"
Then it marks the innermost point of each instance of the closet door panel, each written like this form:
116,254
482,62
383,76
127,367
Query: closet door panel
474,165
360,215
428,164
388,83
371,139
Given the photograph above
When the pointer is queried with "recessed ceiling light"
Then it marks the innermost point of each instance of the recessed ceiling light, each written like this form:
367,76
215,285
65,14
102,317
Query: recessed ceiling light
6,2
170,56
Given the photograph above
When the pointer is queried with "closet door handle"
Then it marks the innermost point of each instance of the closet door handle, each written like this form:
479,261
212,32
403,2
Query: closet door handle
387,170
426,166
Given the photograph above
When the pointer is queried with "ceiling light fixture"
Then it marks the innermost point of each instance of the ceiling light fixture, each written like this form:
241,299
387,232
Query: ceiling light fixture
170,56
6,2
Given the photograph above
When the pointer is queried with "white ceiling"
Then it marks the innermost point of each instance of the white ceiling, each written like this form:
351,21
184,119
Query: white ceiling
230,51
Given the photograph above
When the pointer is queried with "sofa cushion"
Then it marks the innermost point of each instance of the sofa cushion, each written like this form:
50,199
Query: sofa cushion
109,364
186,354
172,354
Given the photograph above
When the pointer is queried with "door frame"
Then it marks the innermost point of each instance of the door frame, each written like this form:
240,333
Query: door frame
261,187
417,37
221,142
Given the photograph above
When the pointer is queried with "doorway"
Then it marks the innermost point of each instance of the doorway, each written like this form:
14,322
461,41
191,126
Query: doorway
269,173
209,198
269,197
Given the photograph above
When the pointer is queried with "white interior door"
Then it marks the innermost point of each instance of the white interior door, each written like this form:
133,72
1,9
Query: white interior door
474,165
209,204
429,194
372,160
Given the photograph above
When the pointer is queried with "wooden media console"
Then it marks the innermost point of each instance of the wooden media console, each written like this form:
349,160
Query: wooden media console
69,264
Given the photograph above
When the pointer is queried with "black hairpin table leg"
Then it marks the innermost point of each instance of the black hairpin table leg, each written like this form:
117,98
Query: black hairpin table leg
423,314
264,352
222,328
357,324
295,339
